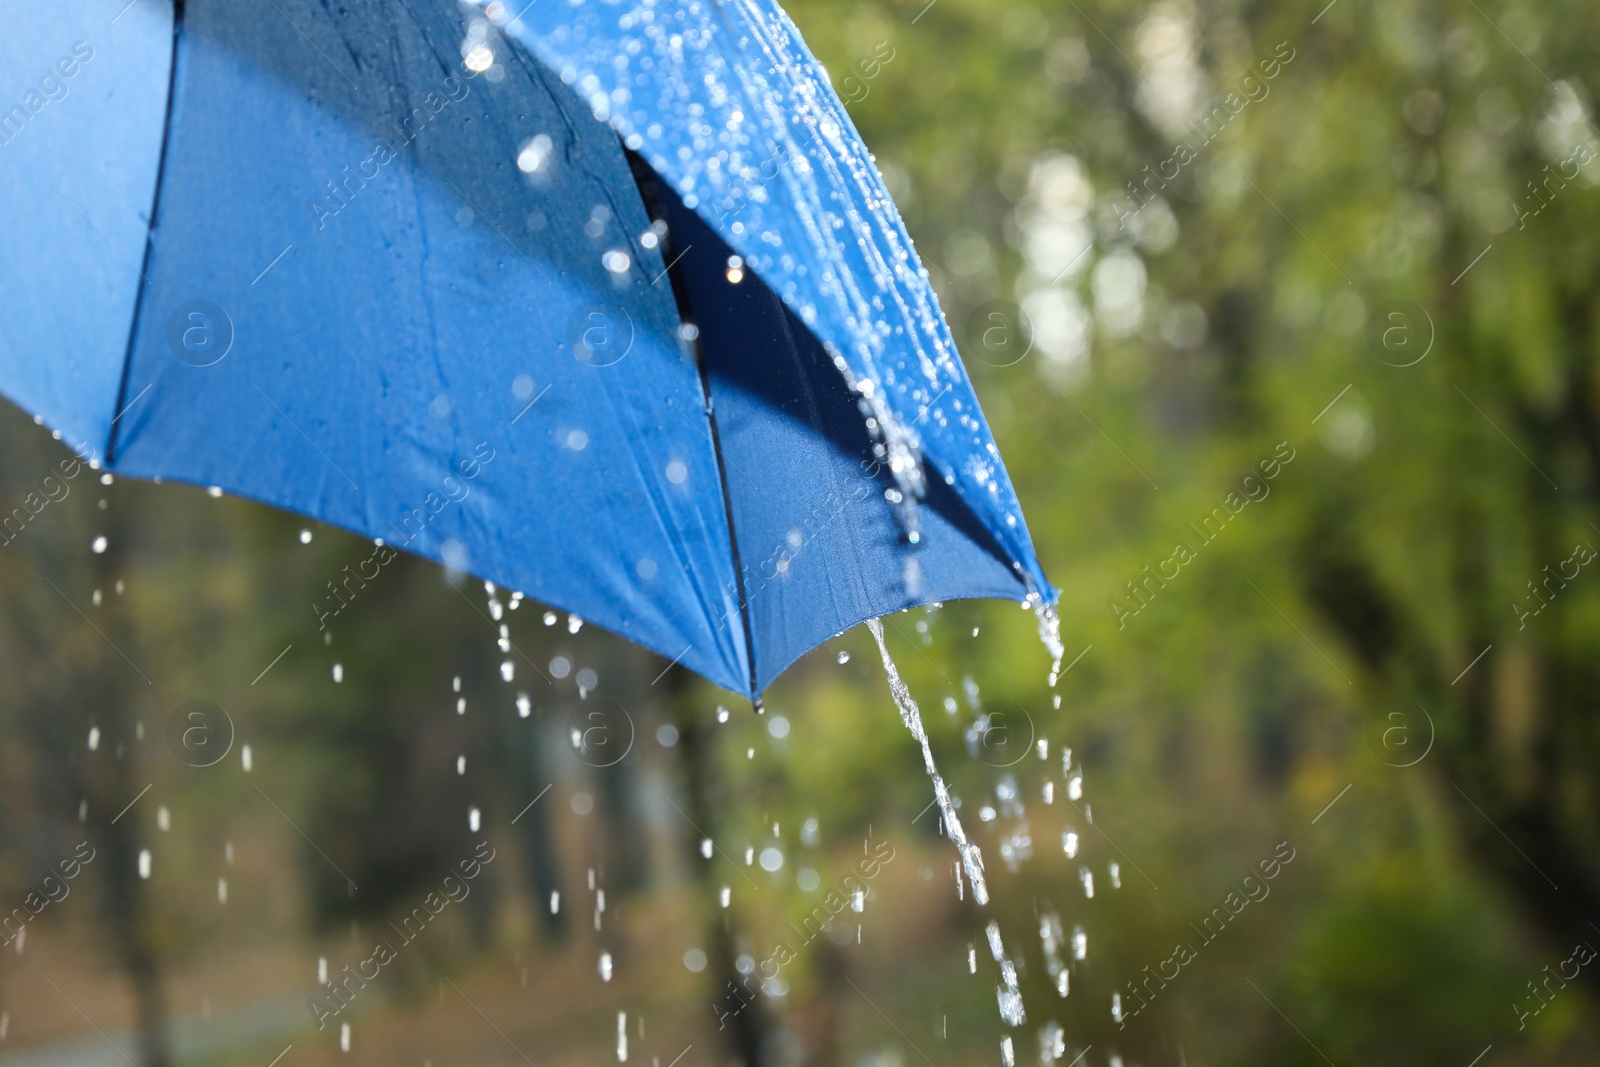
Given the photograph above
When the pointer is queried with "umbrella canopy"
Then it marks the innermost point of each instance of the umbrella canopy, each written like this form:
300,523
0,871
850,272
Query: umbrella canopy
605,303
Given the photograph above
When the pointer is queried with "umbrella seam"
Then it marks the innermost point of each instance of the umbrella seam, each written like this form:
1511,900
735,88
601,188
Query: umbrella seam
150,230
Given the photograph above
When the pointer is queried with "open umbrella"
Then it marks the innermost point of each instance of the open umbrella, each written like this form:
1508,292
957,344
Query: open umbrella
604,302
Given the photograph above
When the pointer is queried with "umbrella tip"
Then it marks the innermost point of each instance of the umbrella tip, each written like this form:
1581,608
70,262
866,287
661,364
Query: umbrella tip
761,709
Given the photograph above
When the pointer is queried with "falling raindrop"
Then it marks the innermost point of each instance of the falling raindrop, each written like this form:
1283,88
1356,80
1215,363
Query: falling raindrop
461,765
622,1037
163,819
524,706
844,657
971,857
605,966
344,1037
94,738
508,671
338,672
244,758
99,545
555,902
474,819
1010,997
305,537
726,896
144,864
705,847
222,890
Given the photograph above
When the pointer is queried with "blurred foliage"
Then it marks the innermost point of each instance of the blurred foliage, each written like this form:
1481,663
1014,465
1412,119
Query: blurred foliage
1345,667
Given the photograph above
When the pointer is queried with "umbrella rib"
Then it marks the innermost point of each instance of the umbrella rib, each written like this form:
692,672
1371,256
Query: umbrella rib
150,231
653,206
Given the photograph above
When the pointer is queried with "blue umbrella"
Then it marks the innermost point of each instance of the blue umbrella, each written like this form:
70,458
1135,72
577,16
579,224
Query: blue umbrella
604,302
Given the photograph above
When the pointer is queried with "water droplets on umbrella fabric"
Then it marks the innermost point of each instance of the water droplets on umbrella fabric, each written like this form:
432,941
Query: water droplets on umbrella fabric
677,471
534,153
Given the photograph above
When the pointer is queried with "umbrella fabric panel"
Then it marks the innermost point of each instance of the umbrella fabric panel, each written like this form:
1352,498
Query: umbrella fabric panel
394,313
80,138
727,104
821,547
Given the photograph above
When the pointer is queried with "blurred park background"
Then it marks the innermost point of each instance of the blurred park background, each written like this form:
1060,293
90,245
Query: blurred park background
1285,317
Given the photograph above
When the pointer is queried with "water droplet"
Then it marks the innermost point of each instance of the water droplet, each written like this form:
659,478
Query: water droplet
305,537
474,819
99,545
